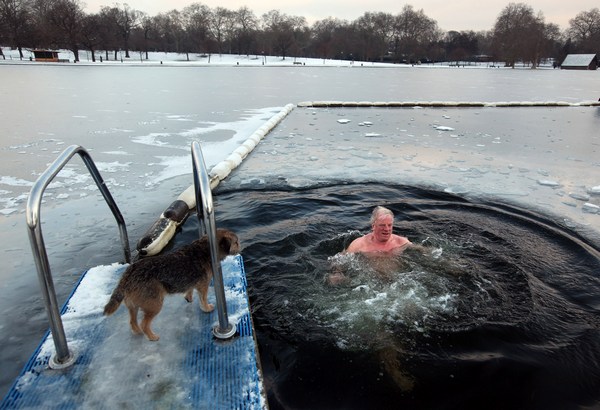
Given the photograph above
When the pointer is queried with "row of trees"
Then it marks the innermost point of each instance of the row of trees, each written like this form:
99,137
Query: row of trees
519,33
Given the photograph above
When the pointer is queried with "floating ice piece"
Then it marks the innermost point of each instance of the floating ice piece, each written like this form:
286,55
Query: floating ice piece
570,203
548,182
581,197
443,128
253,181
456,190
436,253
12,181
591,208
343,121
595,190
372,134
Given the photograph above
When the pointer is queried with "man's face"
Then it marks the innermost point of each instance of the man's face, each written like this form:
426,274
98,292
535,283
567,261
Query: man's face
382,228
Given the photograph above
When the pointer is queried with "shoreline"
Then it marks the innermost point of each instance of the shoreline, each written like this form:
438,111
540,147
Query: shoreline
235,60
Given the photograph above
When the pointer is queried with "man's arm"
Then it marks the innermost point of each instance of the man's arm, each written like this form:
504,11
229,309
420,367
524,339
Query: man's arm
417,247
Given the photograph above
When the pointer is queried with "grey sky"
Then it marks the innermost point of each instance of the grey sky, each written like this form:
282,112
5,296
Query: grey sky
450,15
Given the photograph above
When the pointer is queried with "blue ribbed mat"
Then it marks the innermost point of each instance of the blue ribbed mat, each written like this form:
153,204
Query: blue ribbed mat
186,368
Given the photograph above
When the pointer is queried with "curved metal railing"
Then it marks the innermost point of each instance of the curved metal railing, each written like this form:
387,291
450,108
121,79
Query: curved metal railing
62,357
206,217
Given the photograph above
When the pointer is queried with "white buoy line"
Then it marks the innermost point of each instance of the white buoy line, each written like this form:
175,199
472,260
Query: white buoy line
465,104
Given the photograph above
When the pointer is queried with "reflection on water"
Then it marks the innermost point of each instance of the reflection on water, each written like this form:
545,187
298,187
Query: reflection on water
503,304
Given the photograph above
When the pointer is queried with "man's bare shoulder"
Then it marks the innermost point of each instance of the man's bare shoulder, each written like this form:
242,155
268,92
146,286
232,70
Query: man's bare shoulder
400,240
356,245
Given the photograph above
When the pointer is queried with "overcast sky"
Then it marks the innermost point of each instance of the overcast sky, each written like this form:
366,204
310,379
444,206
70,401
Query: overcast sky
450,14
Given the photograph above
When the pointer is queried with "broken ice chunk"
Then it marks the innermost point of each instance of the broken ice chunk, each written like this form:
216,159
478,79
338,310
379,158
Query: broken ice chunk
581,197
591,208
547,182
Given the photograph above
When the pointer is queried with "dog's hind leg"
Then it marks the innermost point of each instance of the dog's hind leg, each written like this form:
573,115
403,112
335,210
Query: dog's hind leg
133,322
150,311
189,295
202,288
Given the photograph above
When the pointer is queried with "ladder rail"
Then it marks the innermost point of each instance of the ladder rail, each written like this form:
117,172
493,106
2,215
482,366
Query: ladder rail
62,357
206,215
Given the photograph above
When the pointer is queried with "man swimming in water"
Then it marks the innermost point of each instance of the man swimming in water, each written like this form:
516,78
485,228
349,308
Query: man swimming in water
380,243
381,239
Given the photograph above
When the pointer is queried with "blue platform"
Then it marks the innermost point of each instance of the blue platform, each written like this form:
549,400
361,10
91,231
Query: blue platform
186,369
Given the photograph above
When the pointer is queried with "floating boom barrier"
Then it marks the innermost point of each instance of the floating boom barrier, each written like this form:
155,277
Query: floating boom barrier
443,104
165,227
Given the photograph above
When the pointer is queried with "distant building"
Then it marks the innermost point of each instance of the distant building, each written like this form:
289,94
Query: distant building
46,56
580,62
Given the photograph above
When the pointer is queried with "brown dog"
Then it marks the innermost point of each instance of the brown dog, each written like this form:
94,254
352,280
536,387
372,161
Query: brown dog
146,282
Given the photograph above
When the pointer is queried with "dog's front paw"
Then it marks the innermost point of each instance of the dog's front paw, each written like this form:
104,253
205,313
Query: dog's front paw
209,307
153,337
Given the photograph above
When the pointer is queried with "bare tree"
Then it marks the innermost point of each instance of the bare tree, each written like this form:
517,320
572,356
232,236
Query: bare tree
221,26
514,31
172,28
66,16
16,23
142,34
376,31
125,19
461,46
43,33
414,33
325,36
282,31
538,44
246,25
196,25
90,33
108,35
550,42
584,30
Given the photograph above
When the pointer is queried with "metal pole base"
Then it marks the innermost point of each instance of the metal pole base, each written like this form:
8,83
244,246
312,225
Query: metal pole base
54,364
226,333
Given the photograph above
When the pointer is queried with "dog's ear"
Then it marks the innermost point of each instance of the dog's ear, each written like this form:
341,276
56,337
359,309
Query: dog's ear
225,244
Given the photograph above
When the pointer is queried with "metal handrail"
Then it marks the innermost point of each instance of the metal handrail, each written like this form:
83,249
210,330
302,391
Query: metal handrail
206,214
62,357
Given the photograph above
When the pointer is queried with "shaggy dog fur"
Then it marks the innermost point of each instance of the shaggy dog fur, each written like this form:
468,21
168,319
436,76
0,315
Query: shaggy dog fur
146,282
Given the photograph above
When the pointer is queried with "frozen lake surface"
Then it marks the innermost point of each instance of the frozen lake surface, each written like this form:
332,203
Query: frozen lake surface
138,124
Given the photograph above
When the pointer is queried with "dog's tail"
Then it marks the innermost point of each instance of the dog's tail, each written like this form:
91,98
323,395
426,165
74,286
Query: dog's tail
115,301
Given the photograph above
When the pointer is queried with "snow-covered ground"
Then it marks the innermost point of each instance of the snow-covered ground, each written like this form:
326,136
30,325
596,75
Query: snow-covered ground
194,59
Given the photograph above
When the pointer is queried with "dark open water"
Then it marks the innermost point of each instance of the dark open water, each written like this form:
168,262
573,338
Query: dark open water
503,313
